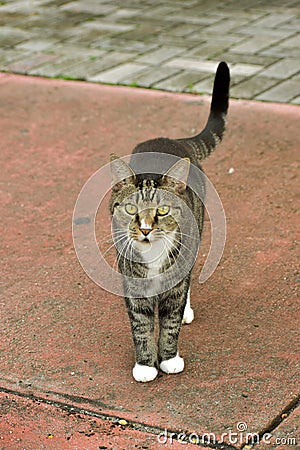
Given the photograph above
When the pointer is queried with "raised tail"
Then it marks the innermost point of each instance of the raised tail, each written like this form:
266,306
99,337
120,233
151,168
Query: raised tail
205,142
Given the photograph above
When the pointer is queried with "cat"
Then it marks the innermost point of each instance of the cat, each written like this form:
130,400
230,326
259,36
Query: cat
147,204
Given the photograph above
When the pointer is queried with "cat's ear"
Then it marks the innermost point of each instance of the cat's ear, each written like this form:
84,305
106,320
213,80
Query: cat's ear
176,177
121,172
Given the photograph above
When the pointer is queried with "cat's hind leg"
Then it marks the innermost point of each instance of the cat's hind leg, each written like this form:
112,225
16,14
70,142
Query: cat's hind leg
188,315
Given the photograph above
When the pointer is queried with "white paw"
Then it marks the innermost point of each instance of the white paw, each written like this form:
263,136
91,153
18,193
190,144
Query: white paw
144,373
188,315
173,365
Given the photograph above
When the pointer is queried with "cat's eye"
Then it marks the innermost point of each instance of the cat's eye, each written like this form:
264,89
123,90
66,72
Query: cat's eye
163,210
131,209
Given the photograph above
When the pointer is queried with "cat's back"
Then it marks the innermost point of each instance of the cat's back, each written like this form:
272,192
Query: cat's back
158,155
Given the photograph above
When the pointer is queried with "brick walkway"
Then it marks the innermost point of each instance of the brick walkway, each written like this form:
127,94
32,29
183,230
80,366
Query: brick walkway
169,45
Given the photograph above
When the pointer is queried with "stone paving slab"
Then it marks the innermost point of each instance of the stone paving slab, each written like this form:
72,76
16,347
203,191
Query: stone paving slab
260,41
65,342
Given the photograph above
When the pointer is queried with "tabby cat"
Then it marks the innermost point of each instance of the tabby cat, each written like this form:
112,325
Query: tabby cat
148,204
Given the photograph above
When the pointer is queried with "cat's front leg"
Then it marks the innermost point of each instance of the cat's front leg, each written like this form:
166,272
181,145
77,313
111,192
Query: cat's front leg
141,315
171,310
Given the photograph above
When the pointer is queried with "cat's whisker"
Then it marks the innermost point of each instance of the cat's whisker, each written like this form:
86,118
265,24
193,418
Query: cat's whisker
128,242
114,244
184,246
190,236
171,250
110,237
120,253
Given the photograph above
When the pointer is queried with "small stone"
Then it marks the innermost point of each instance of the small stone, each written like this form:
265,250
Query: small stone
122,422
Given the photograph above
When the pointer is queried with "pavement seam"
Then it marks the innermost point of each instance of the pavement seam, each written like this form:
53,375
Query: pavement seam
277,420
124,423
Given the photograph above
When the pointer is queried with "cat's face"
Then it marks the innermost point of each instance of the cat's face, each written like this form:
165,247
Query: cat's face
149,214
146,214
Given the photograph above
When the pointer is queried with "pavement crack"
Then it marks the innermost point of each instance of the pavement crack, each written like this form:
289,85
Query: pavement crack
173,435
276,421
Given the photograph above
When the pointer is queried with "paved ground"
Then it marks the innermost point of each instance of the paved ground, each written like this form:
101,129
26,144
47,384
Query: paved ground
65,345
169,45
66,350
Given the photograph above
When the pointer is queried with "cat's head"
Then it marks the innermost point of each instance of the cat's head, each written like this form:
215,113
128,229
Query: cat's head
147,210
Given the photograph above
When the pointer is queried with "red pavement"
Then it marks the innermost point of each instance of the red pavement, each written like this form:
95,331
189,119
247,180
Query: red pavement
65,343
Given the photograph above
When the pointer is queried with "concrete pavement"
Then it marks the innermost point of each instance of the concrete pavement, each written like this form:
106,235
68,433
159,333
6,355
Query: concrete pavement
65,346
173,46
66,349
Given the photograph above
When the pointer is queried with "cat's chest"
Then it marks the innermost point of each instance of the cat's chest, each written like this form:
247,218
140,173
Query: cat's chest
157,256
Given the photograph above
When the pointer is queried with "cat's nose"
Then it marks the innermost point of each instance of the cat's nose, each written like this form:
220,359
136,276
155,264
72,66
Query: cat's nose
145,231
145,227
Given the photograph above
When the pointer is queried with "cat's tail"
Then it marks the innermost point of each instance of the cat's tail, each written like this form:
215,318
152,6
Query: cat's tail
205,142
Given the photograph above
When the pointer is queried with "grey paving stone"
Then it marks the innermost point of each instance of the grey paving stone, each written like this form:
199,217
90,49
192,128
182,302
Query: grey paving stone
145,31
148,77
203,87
159,10
283,69
226,41
84,51
207,50
181,82
293,24
272,20
245,69
84,70
124,13
281,52
12,36
37,45
83,36
88,6
291,42
28,62
159,55
117,74
8,56
251,87
296,101
238,12
260,60
254,30
188,43
283,92
296,77
119,44
107,26
183,30
66,62
18,6
254,44
157,42
225,26
55,68
193,19
193,64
